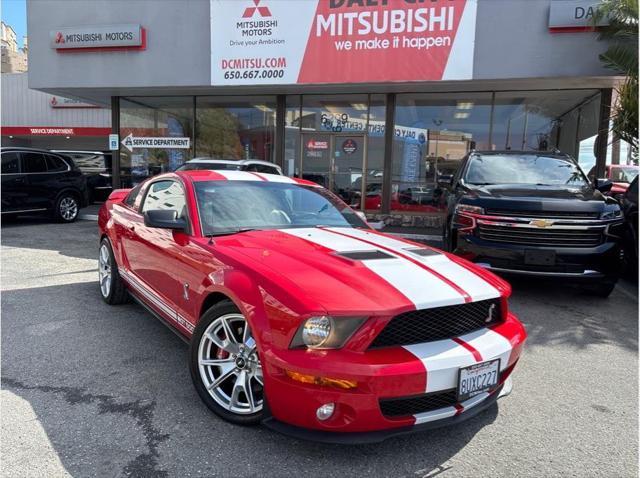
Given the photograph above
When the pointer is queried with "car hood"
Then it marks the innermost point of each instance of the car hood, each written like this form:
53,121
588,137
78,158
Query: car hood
538,198
349,270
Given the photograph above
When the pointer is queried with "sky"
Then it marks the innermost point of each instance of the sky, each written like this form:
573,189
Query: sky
14,12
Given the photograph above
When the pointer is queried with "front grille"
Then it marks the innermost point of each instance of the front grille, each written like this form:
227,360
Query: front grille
428,325
534,236
401,407
545,214
405,406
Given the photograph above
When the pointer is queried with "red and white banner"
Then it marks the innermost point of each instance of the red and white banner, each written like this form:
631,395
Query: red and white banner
256,42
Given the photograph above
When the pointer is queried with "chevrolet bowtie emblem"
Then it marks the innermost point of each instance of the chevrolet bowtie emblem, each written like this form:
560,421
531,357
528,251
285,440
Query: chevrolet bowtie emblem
541,223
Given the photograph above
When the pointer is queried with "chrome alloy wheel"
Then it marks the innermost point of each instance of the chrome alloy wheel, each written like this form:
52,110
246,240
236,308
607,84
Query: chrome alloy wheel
104,270
229,365
68,208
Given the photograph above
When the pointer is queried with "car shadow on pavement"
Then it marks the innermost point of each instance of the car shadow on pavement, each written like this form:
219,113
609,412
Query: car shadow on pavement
110,387
555,313
78,239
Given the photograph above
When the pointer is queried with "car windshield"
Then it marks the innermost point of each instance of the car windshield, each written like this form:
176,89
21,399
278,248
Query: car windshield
238,205
523,169
209,166
621,174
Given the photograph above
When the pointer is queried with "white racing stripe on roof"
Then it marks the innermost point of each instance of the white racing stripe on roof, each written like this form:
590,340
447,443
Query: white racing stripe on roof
475,286
417,284
237,175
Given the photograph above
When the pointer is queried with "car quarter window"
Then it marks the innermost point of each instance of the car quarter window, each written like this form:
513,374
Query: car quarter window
130,200
34,163
10,163
55,163
166,195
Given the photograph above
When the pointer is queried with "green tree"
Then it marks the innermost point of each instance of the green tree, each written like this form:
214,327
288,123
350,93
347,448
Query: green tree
622,55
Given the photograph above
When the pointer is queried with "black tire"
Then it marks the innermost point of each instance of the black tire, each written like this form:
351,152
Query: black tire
67,207
602,290
219,310
117,291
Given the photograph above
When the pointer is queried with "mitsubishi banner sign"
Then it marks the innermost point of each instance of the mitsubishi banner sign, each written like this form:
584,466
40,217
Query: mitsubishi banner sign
341,41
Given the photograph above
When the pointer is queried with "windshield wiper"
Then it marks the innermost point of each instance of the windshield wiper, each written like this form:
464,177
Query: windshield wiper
229,232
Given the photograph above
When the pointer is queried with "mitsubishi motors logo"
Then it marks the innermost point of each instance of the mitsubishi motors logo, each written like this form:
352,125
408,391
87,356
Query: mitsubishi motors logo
249,12
59,38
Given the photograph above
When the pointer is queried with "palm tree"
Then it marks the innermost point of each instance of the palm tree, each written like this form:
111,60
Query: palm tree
622,55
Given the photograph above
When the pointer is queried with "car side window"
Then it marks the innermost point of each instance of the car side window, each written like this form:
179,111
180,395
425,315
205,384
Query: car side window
166,195
10,163
34,163
261,168
55,163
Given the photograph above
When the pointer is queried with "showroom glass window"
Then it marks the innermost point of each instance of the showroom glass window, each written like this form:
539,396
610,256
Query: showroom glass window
433,132
375,154
154,117
333,137
235,127
544,120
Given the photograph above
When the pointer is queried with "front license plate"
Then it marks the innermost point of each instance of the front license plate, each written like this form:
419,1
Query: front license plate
535,257
477,378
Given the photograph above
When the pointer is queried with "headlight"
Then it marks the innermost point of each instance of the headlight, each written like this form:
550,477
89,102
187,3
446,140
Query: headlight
462,208
323,332
316,330
615,214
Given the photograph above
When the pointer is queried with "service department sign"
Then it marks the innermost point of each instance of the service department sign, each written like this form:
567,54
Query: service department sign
98,36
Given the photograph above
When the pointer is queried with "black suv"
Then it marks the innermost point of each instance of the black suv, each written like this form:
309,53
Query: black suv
535,214
96,166
39,181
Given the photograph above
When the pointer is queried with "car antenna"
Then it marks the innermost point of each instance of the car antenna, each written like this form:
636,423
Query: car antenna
211,242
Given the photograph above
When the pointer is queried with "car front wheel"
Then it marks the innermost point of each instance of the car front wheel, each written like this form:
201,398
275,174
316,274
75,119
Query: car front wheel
225,365
112,288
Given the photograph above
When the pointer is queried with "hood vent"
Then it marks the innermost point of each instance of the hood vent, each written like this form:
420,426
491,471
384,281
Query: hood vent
424,252
365,255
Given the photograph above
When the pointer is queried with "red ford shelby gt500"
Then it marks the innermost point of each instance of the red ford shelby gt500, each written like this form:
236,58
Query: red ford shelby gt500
302,317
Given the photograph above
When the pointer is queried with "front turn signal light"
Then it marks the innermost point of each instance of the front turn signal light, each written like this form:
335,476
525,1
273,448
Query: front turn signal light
324,381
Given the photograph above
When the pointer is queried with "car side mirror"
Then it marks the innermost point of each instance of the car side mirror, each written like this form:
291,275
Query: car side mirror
603,185
164,219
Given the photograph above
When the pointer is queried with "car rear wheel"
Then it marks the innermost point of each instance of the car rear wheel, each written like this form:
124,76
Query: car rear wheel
112,288
225,365
67,208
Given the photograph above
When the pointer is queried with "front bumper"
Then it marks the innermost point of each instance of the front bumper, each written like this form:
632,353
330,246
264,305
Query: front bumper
392,373
363,438
573,263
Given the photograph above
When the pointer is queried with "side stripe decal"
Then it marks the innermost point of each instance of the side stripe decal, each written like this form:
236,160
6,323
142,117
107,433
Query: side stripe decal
154,299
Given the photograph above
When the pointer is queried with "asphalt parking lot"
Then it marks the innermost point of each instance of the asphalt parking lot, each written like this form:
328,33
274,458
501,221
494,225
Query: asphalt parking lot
93,390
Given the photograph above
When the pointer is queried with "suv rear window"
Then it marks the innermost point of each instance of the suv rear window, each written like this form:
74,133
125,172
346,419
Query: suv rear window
55,163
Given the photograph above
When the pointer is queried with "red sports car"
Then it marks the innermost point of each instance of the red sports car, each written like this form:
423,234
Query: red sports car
302,317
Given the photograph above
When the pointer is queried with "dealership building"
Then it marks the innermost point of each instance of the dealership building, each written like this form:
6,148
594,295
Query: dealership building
378,100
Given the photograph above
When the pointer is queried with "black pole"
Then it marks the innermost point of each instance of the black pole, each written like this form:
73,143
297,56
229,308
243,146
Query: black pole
115,129
389,132
603,132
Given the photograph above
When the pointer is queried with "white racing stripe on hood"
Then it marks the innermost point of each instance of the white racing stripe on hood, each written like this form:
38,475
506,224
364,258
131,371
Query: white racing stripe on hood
419,286
491,345
475,286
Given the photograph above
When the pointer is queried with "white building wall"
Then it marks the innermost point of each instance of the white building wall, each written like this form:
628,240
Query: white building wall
24,107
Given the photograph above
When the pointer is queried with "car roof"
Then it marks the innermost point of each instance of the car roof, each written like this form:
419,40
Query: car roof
551,154
20,148
225,175
231,161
